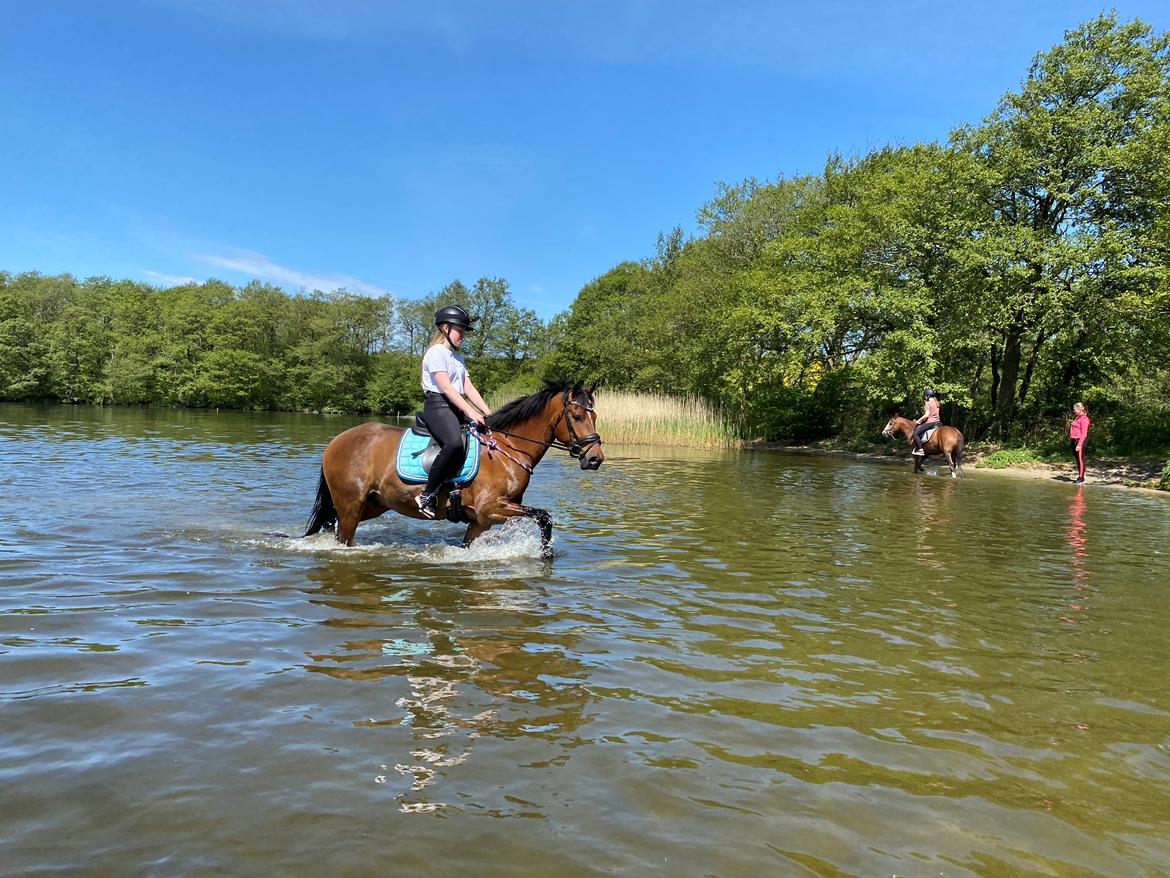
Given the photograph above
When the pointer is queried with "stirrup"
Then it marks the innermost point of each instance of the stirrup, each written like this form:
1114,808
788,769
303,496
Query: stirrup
918,452
426,504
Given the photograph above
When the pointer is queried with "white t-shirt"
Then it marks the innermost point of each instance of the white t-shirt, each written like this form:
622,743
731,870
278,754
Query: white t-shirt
440,358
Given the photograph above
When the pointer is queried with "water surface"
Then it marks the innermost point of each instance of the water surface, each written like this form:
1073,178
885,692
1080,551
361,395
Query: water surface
736,665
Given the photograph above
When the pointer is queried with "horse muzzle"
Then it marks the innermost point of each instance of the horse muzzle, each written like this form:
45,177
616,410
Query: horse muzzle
592,458
588,451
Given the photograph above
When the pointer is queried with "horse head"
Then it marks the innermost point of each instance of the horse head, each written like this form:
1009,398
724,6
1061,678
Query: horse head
576,428
891,426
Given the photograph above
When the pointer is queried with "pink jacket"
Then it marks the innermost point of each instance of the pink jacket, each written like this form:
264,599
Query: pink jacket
931,416
1079,428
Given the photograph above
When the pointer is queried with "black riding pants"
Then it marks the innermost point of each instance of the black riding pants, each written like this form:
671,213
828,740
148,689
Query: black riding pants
1078,456
919,430
446,426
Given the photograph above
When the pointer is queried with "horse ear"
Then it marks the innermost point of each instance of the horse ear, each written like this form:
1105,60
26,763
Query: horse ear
576,388
592,387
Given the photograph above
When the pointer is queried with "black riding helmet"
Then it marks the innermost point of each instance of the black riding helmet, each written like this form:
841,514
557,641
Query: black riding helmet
454,315
928,393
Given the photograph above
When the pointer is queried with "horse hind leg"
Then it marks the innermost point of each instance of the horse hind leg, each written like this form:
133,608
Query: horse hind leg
347,522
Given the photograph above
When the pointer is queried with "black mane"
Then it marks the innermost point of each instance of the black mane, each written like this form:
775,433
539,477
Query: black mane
529,406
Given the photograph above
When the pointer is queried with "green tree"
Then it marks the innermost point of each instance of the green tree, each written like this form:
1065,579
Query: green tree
393,386
1071,172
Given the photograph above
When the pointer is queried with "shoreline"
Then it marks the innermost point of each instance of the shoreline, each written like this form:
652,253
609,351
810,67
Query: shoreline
1134,475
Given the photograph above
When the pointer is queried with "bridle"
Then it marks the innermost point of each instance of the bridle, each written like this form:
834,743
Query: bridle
576,447
579,443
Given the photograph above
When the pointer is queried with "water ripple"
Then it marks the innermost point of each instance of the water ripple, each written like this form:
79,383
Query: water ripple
737,664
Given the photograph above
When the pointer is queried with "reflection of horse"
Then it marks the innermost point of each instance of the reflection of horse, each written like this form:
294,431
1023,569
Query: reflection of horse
510,669
359,482
946,441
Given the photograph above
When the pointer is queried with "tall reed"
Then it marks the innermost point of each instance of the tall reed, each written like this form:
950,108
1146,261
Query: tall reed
625,418
649,419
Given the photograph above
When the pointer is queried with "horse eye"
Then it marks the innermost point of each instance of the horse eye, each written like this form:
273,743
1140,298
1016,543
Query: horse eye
577,418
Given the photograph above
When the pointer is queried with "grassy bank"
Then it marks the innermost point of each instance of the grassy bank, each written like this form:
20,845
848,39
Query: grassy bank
1137,472
1108,467
1017,458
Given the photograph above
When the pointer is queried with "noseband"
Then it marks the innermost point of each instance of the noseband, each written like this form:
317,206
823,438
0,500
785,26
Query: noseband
577,444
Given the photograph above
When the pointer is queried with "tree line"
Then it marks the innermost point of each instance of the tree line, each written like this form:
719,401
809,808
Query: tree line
254,347
1020,266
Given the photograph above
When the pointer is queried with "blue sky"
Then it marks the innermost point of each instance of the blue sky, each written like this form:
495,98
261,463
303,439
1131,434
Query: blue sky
394,147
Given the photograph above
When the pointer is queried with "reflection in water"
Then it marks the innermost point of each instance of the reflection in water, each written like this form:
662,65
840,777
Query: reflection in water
934,512
1074,533
472,656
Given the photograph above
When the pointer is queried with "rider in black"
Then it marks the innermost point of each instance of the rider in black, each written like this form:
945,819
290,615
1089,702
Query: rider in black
445,382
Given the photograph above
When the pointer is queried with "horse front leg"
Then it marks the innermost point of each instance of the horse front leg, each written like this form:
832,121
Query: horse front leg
506,509
544,520
474,531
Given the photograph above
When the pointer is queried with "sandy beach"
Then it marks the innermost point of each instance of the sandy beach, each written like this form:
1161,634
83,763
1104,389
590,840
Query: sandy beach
1133,474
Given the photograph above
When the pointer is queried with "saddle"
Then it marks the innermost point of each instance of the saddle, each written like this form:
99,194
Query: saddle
418,449
926,436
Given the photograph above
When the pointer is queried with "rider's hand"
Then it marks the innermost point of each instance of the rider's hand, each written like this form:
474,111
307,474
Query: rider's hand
479,419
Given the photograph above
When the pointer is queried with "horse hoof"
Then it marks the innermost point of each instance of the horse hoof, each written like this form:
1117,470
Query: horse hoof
546,553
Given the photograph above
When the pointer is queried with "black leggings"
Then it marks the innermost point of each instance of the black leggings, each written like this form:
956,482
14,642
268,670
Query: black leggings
920,429
1079,457
447,429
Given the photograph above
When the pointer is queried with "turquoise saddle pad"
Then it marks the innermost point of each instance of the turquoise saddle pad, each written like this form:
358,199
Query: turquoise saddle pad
409,462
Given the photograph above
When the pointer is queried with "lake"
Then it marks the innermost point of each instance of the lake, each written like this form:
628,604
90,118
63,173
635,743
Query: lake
737,664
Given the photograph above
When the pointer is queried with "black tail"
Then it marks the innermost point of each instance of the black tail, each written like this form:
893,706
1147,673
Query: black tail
323,514
959,455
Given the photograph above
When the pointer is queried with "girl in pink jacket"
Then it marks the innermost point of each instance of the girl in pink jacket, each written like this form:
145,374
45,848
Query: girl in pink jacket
1077,432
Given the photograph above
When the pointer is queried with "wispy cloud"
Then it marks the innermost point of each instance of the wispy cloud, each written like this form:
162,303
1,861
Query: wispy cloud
257,265
168,280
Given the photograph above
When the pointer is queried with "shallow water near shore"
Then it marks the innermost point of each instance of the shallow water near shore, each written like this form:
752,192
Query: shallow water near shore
737,664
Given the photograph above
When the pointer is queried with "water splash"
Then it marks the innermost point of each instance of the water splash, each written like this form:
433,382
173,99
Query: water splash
515,540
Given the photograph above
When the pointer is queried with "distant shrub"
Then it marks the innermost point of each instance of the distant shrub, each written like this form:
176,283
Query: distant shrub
1010,457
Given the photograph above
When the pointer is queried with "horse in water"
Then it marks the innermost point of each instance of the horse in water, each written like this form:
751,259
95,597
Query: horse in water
359,481
946,441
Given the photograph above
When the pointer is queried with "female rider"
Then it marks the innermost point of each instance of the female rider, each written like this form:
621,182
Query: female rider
445,381
929,419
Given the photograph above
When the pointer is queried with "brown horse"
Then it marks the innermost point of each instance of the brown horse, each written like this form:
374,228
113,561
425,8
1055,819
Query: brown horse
359,482
946,441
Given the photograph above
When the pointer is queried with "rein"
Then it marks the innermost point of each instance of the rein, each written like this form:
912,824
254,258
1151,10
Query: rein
491,445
